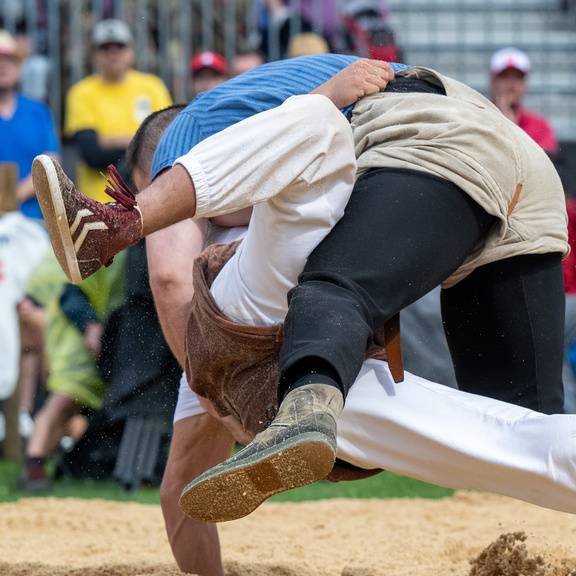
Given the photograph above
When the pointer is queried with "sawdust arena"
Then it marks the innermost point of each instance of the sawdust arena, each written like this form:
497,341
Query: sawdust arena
469,534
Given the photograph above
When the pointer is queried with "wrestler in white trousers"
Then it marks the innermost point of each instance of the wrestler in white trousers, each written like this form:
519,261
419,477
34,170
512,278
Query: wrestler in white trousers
303,178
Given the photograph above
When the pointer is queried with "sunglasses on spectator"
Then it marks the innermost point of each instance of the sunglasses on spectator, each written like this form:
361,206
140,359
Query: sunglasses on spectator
111,46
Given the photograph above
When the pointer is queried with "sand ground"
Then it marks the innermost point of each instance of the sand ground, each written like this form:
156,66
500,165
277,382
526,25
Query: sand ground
404,537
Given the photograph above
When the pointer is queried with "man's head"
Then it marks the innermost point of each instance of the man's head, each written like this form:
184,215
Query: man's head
244,61
509,69
209,69
138,158
113,51
10,63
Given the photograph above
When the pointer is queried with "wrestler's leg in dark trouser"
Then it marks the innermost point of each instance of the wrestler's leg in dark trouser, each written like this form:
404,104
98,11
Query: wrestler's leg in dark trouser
504,324
402,234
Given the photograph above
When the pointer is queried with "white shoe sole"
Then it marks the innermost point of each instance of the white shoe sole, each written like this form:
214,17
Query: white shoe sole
47,189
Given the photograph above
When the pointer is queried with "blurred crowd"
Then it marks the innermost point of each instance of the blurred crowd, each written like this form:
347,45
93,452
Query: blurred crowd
89,362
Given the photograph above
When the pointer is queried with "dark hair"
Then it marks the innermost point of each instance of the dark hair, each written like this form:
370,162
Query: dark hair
143,145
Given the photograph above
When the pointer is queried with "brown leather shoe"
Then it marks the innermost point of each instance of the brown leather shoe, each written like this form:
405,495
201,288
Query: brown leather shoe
85,234
297,449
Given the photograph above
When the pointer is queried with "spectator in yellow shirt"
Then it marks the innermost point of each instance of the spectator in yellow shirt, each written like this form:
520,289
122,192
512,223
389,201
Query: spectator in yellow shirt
104,110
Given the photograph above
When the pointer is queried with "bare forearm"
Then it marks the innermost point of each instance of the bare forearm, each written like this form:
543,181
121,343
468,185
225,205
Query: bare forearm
113,142
173,313
171,253
25,190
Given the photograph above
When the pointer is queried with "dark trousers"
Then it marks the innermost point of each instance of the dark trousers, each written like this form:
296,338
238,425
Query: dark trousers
402,234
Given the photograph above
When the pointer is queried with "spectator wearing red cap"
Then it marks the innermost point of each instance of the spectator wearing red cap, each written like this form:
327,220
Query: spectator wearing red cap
209,69
509,70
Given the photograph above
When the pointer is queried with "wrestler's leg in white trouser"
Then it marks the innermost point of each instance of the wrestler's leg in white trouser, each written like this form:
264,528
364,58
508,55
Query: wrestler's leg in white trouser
458,440
441,435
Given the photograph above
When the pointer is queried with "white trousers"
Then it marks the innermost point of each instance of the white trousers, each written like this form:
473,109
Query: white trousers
417,428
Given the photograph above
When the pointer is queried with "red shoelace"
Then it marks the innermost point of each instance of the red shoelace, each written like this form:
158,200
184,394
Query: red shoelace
118,189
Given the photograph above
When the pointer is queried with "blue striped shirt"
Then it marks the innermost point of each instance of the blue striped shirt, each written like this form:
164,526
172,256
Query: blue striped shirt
258,90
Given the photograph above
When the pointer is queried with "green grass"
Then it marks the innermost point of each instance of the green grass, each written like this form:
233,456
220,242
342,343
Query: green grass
385,485
68,488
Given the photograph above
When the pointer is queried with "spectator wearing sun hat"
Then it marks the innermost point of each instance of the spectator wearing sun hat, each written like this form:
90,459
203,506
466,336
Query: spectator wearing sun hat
306,44
26,126
509,70
209,69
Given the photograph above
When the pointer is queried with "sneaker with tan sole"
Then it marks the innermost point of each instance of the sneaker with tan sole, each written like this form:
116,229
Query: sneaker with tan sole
85,234
298,448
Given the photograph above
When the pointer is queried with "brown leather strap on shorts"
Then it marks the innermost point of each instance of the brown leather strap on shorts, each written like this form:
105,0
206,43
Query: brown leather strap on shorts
387,347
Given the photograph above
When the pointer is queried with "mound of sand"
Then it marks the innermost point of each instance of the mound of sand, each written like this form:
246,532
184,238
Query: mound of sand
509,556
459,536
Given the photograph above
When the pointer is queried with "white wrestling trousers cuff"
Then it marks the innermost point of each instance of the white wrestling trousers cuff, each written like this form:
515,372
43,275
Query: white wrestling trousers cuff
458,440
201,187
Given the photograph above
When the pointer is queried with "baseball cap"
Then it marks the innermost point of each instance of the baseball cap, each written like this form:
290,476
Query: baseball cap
509,58
210,60
8,46
111,31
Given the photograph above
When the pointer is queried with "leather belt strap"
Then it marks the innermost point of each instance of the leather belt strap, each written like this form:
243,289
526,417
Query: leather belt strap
388,338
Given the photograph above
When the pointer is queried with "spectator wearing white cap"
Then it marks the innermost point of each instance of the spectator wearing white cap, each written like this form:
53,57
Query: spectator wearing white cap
104,110
509,69
209,69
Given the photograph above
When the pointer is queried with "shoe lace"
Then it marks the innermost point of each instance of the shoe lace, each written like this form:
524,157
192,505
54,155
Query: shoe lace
118,189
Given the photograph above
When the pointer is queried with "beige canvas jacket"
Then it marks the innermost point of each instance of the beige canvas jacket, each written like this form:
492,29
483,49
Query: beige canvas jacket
462,137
